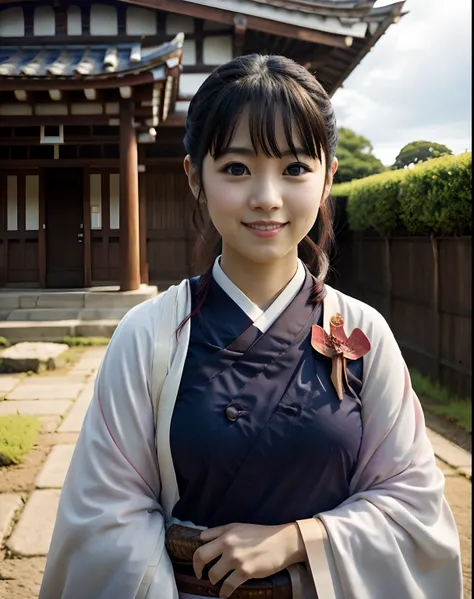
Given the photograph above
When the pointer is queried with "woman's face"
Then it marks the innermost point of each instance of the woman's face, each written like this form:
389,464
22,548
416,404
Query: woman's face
262,207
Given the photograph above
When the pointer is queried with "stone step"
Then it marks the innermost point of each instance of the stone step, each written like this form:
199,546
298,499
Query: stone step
16,331
55,314
98,297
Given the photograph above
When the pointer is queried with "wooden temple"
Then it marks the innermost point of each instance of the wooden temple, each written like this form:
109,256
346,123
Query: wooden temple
93,100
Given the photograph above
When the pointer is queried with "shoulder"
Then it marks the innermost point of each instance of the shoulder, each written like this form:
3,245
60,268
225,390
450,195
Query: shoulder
141,321
358,312
359,315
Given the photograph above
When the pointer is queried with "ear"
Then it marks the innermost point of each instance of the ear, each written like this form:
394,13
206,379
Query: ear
327,187
193,176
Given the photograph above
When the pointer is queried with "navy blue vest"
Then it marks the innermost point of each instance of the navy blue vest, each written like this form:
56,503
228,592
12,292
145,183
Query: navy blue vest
258,434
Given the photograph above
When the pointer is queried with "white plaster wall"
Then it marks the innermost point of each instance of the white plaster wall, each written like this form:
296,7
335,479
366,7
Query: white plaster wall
51,109
189,52
15,110
89,108
114,186
12,22
12,203
177,23
32,203
141,21
103,20
217,50
189,83
96,201
74,21
44,23
213,25
182,106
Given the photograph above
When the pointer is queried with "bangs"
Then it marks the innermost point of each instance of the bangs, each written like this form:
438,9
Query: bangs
265,99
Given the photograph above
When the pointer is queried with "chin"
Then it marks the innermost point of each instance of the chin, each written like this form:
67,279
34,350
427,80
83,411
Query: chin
264,256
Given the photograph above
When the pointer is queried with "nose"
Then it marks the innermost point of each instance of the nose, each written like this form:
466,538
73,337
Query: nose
265,196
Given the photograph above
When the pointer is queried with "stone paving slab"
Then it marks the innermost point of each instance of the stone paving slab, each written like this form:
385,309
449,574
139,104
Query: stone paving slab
54,470
9,504
50,423
33,532
7,383
46,380
35,407
466,470
73,422
450,453
43,391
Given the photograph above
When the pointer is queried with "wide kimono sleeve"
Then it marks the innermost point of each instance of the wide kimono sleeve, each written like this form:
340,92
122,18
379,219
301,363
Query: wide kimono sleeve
395,537
108,540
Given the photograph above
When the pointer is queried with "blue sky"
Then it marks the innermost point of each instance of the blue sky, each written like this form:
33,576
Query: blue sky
415,83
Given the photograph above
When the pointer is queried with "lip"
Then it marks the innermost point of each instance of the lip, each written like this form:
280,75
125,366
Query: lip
265,223
265,233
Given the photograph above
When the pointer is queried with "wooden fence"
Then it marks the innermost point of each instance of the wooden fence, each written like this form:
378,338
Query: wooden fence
422,286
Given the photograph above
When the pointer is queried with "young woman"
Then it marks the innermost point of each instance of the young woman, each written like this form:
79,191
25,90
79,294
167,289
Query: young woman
287,430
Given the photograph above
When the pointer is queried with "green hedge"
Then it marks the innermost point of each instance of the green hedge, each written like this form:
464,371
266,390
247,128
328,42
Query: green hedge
433,197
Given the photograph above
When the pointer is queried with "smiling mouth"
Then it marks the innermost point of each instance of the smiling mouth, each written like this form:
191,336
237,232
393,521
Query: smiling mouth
269,227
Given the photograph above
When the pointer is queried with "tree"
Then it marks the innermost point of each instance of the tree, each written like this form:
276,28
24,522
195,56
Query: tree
419,151
355,156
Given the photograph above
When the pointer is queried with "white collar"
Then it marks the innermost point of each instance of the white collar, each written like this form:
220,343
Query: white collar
262,319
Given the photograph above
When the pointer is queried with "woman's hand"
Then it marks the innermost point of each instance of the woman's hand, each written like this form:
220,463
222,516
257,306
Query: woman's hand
247,551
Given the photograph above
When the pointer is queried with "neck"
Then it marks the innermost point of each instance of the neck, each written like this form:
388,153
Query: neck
261,283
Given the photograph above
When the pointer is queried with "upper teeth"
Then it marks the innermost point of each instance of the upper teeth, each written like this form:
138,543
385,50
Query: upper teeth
264,227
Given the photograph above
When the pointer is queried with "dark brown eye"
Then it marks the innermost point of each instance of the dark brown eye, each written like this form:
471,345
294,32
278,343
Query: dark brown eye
296,170
236,169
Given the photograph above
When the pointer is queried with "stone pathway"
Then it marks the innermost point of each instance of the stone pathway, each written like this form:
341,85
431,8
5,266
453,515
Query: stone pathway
61,403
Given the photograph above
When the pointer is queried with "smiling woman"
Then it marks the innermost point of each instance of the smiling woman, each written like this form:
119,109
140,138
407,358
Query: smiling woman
253,431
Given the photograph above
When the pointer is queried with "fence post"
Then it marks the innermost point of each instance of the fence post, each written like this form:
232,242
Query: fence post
388,279
437,348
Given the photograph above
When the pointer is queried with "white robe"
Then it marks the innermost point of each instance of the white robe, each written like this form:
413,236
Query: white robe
394,538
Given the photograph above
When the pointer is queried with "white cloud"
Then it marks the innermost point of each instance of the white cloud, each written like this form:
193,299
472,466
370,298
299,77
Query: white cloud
415,83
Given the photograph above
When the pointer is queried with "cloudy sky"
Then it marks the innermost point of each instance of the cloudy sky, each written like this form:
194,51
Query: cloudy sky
416,81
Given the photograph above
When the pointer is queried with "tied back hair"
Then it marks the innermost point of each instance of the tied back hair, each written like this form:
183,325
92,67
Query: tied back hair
267,86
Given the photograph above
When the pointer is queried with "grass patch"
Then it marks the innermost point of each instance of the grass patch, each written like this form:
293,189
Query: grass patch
439,400
86,341
4,342
18,434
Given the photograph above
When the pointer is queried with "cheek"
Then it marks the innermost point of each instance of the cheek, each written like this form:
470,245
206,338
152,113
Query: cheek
305,202
224,199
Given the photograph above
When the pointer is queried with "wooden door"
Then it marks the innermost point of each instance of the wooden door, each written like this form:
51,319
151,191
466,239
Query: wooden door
170,232
64,198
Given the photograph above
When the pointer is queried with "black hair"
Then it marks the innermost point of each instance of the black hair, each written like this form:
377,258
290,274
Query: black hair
267,85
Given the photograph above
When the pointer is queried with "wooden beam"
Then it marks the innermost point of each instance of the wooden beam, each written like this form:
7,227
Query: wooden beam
109,40
129,201
28,84
219,15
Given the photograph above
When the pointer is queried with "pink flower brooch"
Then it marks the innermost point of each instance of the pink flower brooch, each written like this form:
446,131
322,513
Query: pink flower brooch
340,348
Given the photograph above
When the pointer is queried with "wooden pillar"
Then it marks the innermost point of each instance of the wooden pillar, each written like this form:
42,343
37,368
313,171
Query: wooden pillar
129,206
142,215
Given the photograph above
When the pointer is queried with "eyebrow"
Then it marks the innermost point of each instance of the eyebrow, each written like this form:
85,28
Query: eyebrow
250,152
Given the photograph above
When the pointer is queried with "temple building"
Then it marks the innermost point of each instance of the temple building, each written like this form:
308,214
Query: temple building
93,100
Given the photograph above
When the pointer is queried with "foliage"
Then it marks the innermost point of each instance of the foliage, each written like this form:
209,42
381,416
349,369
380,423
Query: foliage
355,156
18,434
436,197
86,341
440,400
419,151
432,198
4,342
374,203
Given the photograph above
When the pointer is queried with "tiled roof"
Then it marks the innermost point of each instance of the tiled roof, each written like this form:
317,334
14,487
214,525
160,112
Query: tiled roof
338,17
87,62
